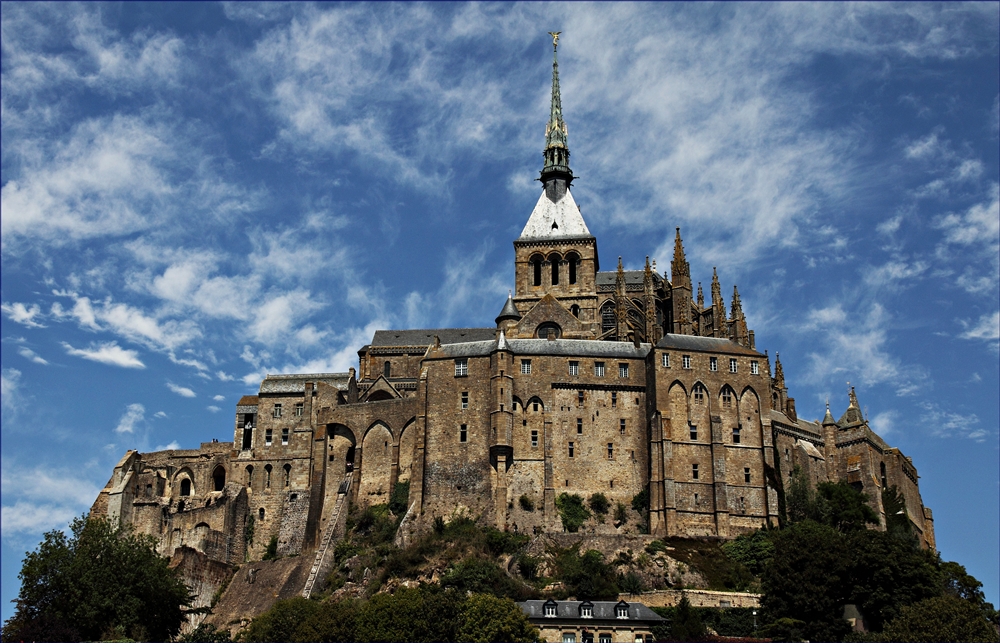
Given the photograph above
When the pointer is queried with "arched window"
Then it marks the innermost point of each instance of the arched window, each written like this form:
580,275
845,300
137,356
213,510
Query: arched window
543,330
555,259
267,476
608,321
574,309
572,259
536,270
249,475
387,369
219,478
185,487
699,393
288,474
260,514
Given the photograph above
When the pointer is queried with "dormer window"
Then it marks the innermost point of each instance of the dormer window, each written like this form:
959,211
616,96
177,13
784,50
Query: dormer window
549,609
586,609
621,610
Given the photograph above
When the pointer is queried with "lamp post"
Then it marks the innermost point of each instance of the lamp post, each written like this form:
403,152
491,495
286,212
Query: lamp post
755,621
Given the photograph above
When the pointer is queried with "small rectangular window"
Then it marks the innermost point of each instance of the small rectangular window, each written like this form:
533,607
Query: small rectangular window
465,399
623,371
611,451
665,360
694,432
686,361
694,472
614,399
574,368
534,438
746,474
713,363
463,433
598,369
732,366
284,436
621,426
571,449
268,437
579,398
298,410
579,426
277,411
525,367
736,435
461,367
754,368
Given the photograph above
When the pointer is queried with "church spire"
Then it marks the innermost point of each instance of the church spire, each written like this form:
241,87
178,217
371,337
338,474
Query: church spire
556,135
679,268
701,298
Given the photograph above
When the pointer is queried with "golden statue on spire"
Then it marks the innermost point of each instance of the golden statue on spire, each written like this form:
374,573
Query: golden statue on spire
555,39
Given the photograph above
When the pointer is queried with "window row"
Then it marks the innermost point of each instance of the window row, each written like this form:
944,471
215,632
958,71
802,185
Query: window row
299,406
746,474
713,364
572,262
249,475
693,431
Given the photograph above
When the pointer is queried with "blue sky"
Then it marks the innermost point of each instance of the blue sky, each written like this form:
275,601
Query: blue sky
194,195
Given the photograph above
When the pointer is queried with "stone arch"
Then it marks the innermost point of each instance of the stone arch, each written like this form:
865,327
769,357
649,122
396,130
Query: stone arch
517,404
573,265
287,468
542,332
376,423
534,400
749,417
376,465
677,403
574,310
407,449
341,444
248,479
554,259
379,396
700,410
727,408
219,478
184,482
387,369
267,475
609,318
536,269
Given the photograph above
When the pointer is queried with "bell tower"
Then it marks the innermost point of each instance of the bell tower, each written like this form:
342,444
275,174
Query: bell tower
556,254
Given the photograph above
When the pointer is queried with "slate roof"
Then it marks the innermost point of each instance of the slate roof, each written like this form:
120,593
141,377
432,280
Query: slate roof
632,277
296,383
704,344
603,611
567,347
425,336
560,220
247,400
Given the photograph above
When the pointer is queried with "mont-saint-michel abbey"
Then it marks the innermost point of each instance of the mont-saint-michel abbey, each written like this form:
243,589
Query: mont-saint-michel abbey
590,379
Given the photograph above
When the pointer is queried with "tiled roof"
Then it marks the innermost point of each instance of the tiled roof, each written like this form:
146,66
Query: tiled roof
425,337
297,383
704,344
247,400
603,611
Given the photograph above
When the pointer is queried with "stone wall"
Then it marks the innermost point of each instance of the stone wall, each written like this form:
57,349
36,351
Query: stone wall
697,597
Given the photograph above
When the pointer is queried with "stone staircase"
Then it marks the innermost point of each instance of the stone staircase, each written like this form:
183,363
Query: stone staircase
332,527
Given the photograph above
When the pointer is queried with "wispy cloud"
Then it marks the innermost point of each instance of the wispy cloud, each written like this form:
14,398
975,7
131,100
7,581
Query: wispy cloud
134,414
10,379
987,328
22,314
183,391
949,424
107,353
51,500
27,353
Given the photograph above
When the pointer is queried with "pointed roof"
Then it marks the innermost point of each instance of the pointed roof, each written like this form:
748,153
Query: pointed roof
737,309
679,266
556,134
502,342
828,418
509,311
555,220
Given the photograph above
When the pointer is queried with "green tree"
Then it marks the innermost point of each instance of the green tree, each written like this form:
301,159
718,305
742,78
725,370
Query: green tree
572,511
599,503
482,576
843,507
587,576
485,619
808,579
942,618
799,499
754,550
411,614
99,580
206,633
282,621
687,625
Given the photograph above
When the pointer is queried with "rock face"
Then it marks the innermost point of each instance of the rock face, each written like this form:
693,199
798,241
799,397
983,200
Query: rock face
621,383
203,575
255,588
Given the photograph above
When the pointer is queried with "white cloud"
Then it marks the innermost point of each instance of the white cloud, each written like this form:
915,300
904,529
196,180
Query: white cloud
160,415
213,408
890,226
885,423
27,353
173,446
987,328
181,390
948,424
224,376
894,271
22,314
980,224
51,500
107,353
219,398
10,379
134,414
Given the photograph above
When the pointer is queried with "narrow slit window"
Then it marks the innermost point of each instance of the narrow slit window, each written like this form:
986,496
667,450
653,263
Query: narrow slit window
611,451
694,431
268,437
571,449
465,399
463,433
736,435
621,426
746,475
614,399
284,436
534,438
694,471
579,426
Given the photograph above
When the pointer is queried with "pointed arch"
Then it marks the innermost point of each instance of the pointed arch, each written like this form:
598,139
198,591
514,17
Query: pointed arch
517,404
184,482
678,405
341,443
376,464
751,427
535,405
219,478
407,449
609,320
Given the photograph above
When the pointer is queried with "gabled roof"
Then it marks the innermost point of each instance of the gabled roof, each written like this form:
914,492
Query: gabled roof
247,400
559,220
425,336
704,344
603,611
632,277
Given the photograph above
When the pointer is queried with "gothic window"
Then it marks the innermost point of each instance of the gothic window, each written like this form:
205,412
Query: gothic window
185,487
608,321
288,474
387,369
699,393
727,398
461,367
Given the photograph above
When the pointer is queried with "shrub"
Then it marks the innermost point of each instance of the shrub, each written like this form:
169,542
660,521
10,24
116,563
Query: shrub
399,500
640,501
621,513
528,566
271,552
631,583
572,511
599,503
526,503
438,525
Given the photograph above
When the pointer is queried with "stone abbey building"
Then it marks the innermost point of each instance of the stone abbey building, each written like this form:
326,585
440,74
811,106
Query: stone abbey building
613,381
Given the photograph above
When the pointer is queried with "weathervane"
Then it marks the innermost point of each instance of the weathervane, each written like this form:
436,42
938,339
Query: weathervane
555,39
